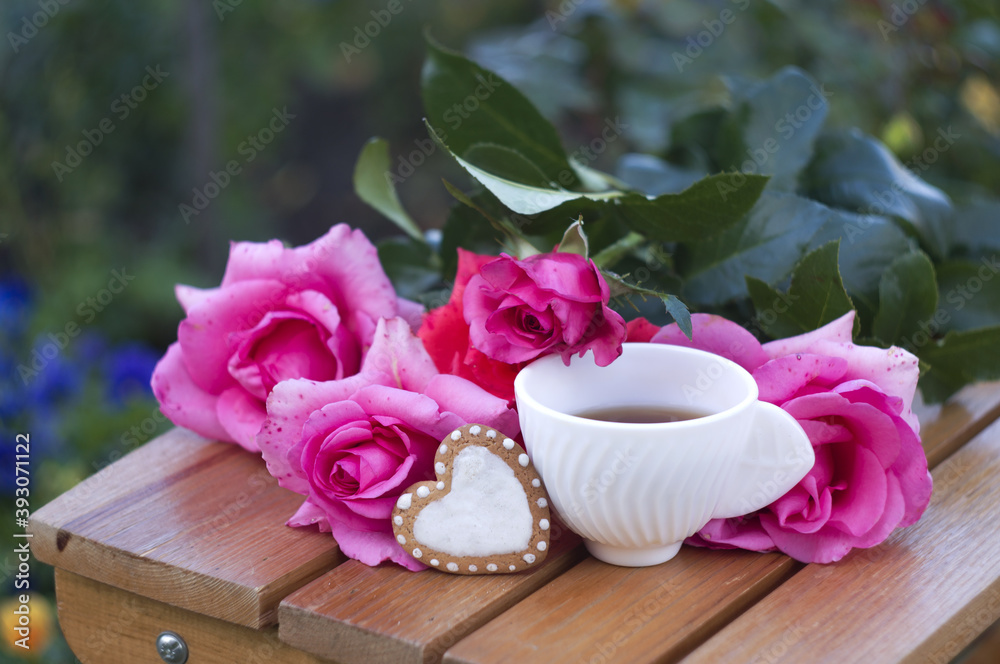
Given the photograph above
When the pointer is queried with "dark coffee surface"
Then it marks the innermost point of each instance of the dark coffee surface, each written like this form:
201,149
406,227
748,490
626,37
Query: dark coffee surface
641,414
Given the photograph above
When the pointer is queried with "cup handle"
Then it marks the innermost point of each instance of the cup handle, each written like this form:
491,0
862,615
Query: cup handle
778,455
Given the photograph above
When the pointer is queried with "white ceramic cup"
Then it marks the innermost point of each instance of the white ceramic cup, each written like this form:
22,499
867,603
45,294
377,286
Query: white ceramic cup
634,492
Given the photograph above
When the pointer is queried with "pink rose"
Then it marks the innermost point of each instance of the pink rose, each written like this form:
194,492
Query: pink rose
854,402
307,312
446,337
352,446
518,310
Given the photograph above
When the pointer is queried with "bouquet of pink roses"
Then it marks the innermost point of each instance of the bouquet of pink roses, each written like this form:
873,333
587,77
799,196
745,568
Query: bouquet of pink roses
346,399
318,357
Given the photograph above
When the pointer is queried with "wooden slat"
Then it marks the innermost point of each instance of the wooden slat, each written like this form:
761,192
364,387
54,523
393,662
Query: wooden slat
103,625
193,523
966,414
923,595
599,612
682,620
359,614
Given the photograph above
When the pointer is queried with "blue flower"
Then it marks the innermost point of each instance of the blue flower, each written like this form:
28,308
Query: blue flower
15,305
129,370
57,379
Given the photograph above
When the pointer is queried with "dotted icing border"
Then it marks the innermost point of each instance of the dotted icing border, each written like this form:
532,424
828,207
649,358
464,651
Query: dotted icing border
422,493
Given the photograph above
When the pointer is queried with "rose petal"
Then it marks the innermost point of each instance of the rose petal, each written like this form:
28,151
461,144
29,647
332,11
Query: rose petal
718,335
205,334
744,532
473,404
182,401
410,311
889,520
242,416
780,379
288,408
397,357
310,514
860,504
372,548
839,331
640,330
190,297
824,546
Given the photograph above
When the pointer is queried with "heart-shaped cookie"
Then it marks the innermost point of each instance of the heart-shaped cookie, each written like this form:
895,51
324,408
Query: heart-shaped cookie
486,513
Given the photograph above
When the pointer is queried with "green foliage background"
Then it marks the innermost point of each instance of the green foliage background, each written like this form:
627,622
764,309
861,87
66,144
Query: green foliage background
691,108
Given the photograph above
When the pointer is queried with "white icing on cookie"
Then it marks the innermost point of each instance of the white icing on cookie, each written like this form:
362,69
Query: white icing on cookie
523,460
405,501
423,492
485,514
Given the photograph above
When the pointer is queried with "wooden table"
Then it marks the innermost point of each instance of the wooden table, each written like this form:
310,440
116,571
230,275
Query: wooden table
188,535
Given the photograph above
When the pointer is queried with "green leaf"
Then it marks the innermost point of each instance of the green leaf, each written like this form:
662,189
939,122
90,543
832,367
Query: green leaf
970,294
704,209
816,295
765,245
620,287
976,228
857,172
868,244
780,120
907,296
516,243
481,116
574,240
653,176
958,359
465,228
411,266
373,186
680,313
520,197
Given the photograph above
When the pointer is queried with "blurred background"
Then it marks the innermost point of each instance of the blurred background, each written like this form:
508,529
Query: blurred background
118,120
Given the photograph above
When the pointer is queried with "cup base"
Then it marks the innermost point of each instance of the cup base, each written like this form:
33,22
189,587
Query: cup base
632,557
